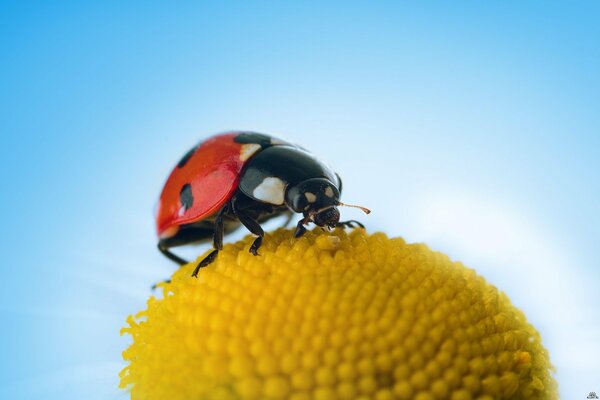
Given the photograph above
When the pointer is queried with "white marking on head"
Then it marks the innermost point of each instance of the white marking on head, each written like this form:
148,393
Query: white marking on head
310,197
271,190
248,150
181,211
329,191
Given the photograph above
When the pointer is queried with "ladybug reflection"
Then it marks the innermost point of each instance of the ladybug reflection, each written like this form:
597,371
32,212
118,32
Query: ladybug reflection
244,178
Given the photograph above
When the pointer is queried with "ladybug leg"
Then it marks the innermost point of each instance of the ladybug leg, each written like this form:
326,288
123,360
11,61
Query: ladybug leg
173,257
300,229
217,241
254,228
252,225
352,223
206,261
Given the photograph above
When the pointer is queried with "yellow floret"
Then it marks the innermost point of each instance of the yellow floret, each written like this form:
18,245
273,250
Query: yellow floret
333,315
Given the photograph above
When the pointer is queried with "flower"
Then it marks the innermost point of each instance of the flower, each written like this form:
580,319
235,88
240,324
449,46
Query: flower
333,315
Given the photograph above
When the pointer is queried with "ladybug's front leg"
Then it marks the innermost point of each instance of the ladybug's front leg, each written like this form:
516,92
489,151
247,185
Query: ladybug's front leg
300,229
217,241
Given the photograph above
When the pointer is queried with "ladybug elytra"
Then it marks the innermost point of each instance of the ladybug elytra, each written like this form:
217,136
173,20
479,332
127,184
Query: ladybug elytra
244,178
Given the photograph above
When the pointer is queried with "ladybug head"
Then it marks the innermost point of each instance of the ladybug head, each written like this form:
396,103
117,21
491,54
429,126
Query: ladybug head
327,217
316,198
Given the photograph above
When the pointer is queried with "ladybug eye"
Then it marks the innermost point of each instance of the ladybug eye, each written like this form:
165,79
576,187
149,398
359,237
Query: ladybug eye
295,199
300,202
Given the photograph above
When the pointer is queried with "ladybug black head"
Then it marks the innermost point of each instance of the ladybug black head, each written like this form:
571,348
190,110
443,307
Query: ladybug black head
318,198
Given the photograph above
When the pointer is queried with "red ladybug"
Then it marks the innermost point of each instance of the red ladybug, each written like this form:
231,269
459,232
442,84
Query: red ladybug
243,178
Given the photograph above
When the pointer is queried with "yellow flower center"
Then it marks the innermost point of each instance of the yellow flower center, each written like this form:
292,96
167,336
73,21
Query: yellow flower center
333,315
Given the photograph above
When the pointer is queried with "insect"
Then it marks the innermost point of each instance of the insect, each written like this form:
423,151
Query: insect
244,178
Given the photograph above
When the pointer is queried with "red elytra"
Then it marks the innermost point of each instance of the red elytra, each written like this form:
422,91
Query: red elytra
213,170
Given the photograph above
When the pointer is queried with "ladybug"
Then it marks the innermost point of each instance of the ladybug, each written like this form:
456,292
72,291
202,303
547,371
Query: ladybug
244,178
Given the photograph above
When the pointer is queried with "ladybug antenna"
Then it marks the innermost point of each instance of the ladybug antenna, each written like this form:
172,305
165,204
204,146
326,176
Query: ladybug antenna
364,209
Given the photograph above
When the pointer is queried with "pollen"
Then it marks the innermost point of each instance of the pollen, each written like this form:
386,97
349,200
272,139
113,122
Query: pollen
333,315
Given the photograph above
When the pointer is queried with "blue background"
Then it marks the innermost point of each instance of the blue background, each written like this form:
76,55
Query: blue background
472,127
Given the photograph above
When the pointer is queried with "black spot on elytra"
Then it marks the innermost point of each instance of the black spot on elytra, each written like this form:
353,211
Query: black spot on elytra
185,196
187,157
253,138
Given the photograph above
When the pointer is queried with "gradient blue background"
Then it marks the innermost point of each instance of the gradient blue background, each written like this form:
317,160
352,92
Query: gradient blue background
474,128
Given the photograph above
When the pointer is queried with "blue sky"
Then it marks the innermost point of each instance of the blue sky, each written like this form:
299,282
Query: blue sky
471,127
